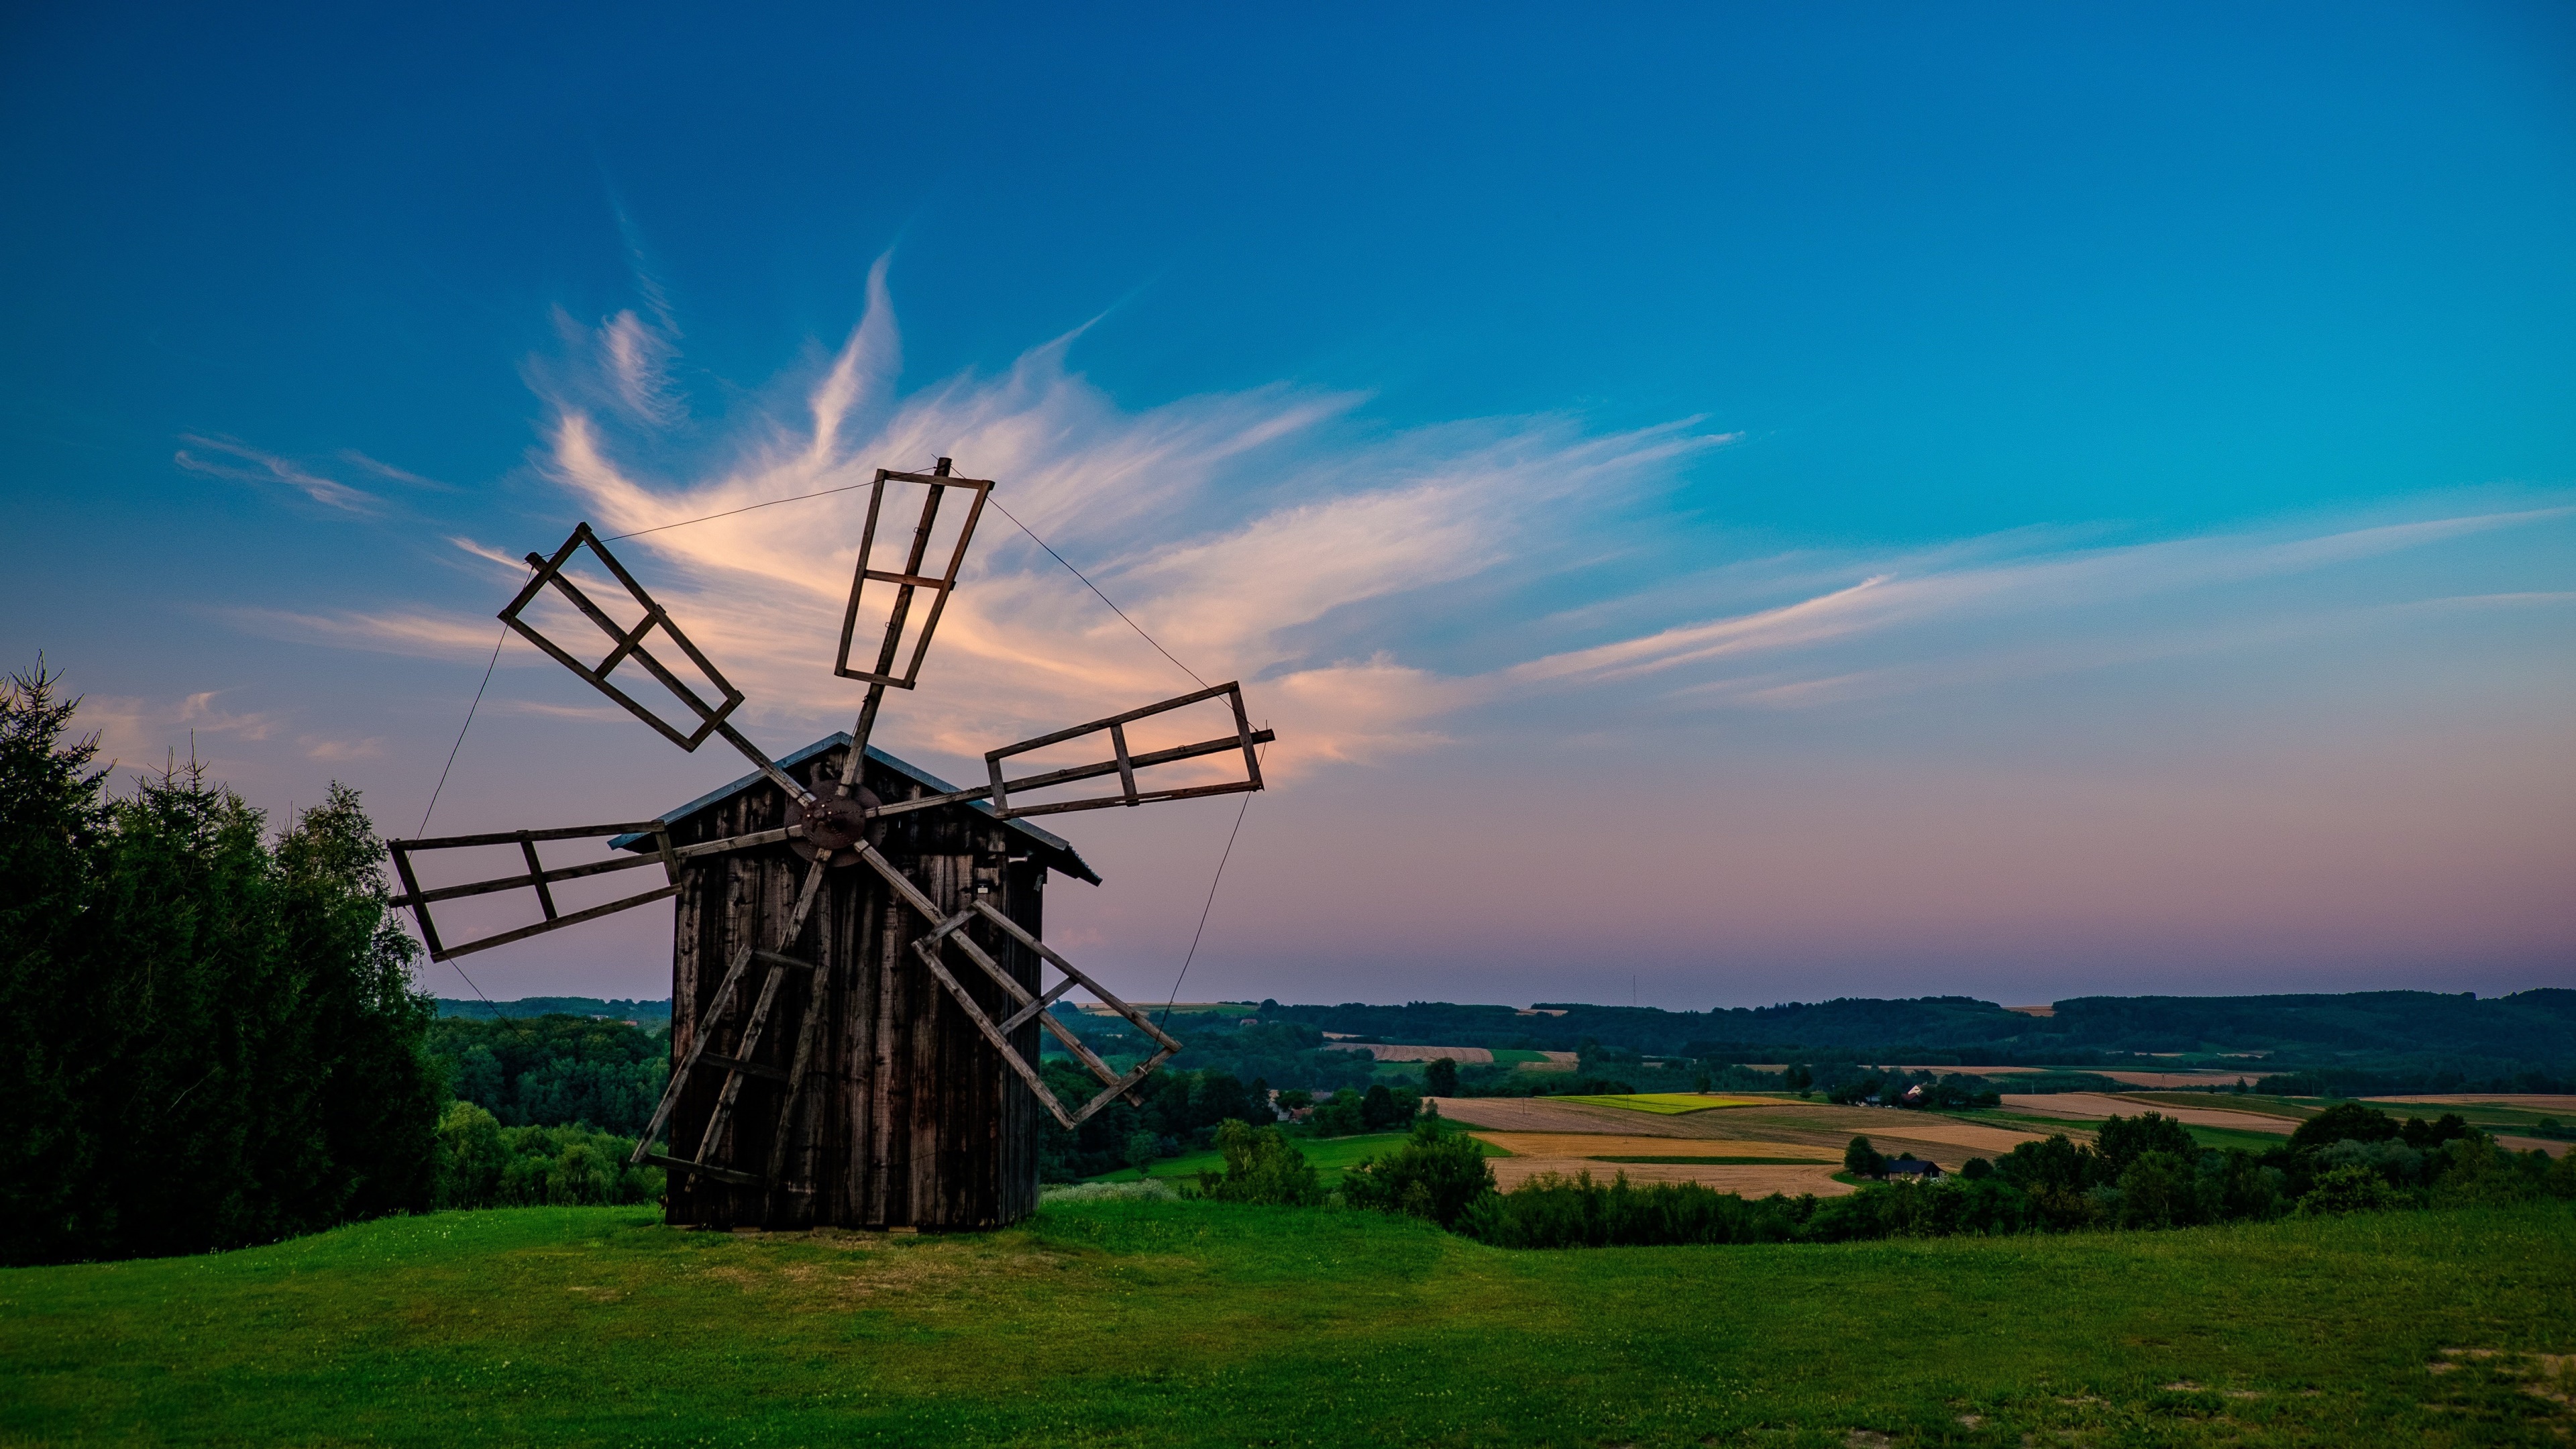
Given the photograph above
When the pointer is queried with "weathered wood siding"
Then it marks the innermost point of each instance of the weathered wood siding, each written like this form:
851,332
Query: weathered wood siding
909,1117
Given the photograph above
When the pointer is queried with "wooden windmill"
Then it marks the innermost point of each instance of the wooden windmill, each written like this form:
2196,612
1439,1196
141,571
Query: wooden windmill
857,968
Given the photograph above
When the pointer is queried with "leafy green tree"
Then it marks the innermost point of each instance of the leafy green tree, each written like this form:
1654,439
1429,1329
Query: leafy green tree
1862,1160
1435,1175
1798,1079
2159,1189
1218,1097
2475,1172
484,1164
2241,1186
2349,1190
2449,1127
554,1070
471,1157
2056,1175
378,1091
1141,1150
1341,1116
2123,1140
2343,1122
1440,1078
1385,1107
1261,1166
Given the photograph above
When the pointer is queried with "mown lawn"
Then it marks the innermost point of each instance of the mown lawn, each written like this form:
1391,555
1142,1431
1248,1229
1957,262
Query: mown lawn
1181,1323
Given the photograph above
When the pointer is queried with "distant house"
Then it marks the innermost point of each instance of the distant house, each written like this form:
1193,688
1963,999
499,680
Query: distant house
1914,1167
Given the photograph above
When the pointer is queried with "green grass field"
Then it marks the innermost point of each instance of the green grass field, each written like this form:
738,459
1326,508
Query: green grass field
1670,1104
2257,1143
2476,1114
1186,1323
2292,1109
1331,1156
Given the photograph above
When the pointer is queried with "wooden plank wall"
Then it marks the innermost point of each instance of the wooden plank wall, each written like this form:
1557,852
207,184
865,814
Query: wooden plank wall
909,1118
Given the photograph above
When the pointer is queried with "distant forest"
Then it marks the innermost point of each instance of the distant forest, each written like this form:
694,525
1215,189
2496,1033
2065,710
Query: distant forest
644,1013
2336,1045
2402,1040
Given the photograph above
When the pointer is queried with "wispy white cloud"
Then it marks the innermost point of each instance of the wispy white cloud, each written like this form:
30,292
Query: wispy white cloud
331,751
635,357
1270,535
269,469
199,712
389,472
134,730
422,633
1224,525
1952,618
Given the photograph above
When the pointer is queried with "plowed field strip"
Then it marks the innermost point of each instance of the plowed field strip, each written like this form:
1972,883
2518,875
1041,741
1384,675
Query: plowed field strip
1604,1144
1540,1114
2089,1104
1751,1181
2536,1101
1809,1124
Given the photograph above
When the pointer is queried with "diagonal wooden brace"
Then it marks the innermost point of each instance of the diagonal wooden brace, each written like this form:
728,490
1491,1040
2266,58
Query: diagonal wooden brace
950,929
738,1064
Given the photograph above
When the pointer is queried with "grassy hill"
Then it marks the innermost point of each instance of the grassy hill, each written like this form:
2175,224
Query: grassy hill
1192,1323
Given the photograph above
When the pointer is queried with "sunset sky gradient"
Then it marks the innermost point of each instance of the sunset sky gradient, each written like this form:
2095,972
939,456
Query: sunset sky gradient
1765,505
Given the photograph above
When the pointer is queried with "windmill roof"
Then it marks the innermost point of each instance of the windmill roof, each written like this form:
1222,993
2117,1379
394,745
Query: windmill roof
1051,850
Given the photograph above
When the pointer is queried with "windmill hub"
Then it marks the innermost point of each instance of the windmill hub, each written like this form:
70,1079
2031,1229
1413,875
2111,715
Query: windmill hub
836,822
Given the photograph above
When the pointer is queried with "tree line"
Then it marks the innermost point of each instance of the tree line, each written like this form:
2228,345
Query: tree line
208,1033
2140,1173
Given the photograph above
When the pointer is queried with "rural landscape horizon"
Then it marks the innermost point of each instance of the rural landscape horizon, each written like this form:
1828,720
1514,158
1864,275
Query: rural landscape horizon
1449,726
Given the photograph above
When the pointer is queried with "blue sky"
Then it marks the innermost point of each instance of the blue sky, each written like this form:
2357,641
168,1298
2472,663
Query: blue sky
1845,501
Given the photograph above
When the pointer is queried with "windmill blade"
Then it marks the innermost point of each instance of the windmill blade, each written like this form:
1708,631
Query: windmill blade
537,878
1124,763
946,930
541,880
631,643
919,572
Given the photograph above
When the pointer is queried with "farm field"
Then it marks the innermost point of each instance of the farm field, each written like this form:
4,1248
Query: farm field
2096,1105
1809,1169
1595,1144
1185,1323
2538,1104
1773,1122
2256,1123
1748,1179
2292,1110
2203,1077
1671,1103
